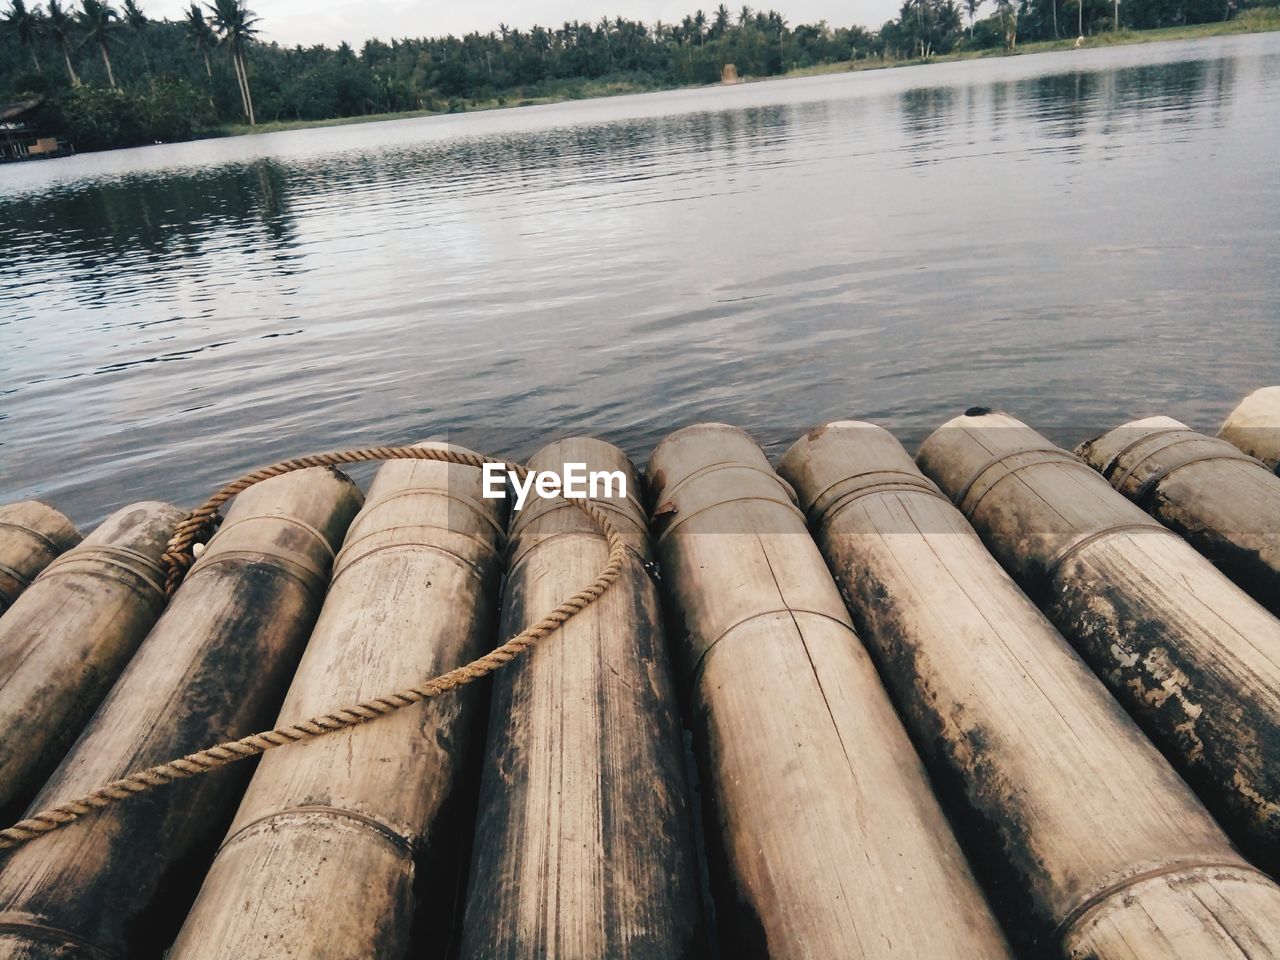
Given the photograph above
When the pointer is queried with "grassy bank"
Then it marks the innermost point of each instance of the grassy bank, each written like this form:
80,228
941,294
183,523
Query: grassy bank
1253,21
560,92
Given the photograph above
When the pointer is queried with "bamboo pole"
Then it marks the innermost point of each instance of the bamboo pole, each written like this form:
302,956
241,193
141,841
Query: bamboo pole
583,839
1125,862
1254,426
68,637
334,833
1190,655
214,668
1224,502
31,536
830,840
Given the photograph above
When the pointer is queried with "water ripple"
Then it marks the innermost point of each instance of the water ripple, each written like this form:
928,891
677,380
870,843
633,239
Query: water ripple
1080,237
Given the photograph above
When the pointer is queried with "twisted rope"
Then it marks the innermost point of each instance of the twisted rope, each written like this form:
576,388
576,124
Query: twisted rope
178,559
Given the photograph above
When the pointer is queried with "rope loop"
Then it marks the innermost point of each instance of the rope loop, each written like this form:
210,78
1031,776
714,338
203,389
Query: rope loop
178,559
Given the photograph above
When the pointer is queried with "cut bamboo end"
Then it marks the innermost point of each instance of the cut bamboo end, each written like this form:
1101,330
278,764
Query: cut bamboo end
68,637
546,518
1254,426
985,461
829,835
1223,501
333,833
1186,651
214,668
583,840
1006,713
32,535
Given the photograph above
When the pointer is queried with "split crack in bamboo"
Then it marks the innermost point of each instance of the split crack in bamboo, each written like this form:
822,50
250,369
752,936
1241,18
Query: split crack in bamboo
178,559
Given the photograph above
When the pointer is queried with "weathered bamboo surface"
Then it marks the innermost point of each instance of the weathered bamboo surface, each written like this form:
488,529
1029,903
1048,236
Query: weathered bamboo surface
68,637
214,668
1123,863
334,833
1224,502
831,842
1193,658
584,844
1254,426
31,536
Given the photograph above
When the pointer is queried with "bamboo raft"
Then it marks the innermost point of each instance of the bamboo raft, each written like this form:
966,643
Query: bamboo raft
1000,700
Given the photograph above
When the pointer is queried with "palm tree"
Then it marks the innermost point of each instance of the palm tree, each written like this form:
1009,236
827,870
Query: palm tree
744,16
625,34
199,35
541,40
100,20
605,27
137,22
60,25
971,8
720,26
235,22
779,23
26,23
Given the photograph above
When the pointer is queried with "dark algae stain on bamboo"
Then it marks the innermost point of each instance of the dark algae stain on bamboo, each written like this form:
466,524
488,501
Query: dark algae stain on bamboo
982,803
1180,646
1193,714
1218,497
66,640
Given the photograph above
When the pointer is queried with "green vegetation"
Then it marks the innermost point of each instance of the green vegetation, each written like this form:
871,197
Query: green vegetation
1258,20
109,77
98,118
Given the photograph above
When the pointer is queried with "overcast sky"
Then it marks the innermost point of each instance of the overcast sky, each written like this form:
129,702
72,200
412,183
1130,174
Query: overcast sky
332,21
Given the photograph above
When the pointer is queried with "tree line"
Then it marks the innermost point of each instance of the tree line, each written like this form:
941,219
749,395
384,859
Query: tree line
109,77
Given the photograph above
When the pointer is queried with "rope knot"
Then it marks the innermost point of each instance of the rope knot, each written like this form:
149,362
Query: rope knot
197,527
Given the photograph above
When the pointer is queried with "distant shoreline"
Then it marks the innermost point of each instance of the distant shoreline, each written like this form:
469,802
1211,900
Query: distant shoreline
1257,21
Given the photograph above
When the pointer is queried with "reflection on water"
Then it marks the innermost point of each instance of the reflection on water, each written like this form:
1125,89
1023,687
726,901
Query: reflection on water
1078,237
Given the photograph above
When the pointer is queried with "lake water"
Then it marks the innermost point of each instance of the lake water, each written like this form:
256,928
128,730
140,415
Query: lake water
1077,237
